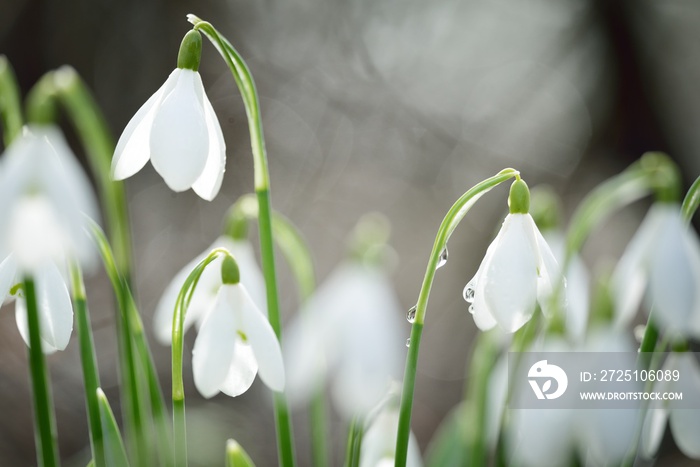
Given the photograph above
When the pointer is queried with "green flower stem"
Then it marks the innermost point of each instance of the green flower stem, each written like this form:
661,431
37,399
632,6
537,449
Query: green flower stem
246,85
127,307
181,305
97,140
44,417
91,376
236,455
296,251
10,102
484,358
354,443
448,225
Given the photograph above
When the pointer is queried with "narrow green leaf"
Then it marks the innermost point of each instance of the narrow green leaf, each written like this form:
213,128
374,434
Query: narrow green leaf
114,445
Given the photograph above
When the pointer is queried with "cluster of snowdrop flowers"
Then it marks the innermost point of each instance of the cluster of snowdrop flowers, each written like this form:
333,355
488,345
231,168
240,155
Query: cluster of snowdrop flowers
552,437
348,333
232,327
177,130
663,258
46,199
518,271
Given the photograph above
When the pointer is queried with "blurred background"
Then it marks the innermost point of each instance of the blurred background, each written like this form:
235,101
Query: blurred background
382,105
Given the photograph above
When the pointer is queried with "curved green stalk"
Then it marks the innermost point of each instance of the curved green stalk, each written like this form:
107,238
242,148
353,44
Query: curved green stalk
10,102
91,377
246,85
44,417
181,305
691,201
448,225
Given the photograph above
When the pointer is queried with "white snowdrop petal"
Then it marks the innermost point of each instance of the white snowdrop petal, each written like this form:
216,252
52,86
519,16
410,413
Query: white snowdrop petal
55,308
179,140
209,182
8,276
685,423
673,280
510,277
242,372
629,279
540,437
262,339
133,147
304,360
483,318
550,274
214,346
653,430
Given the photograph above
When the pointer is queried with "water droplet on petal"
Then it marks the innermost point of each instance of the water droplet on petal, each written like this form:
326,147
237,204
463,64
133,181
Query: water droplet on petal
443,258
411,315
471,309
469,290
408,342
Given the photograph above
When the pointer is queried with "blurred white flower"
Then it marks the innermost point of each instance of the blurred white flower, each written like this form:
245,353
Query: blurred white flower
234,342
348,332
518,271
44,198
685,423
551,437
379,441
178,130
665,254
208,286
577,287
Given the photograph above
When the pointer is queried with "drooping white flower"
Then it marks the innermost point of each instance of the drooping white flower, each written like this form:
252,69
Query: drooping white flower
662,258
379,441
234,343
44,198
349,332
208,286
684,422
518,271
179,132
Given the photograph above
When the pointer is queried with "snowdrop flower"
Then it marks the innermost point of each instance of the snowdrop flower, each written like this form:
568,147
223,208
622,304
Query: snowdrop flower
379,441
44,197
550,437
178,130
349,331
235,341
665,255
208,287
685,423
518,271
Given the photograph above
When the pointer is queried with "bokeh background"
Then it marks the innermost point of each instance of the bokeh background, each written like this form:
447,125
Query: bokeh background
396,106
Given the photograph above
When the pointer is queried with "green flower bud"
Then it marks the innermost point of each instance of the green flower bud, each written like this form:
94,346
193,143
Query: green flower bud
190,51
519,197
230,273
